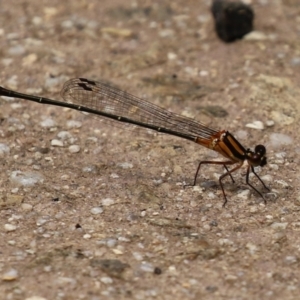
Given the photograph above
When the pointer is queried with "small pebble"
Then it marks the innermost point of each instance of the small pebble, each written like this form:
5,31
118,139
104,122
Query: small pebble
282,183
26,178
273,167
295,61
253,209
165,33
171,56
117,251
291,260
281,155
16,50
96,210
232,19
57,143
10,227
10,275
244,195
64,177
256,36
106,280
4,149
107,202
203,73
270,123
231,278
279,226
47,123
252,248
138,256
41,221
74,124
111,243
26,206
29,59
126,165
87,236
64,135
256,125
114,176
147,267
74,148
280,139
225,242
52,82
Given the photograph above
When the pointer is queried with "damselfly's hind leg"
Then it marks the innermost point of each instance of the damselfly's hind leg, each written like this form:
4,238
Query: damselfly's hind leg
228,173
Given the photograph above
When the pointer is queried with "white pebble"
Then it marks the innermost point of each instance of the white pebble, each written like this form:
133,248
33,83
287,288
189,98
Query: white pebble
283,184
256,125
147,267
225,242
16,50
252,248
64,177
96,210
137,255
10,227
106,280
241,134
74,148
280,139
113,175
274,167
267,178
172,56
57,143
244,195
126,165
203,73
47,123
270,123
255,36
291,259
118,251
67,24
52,82
26,206
26,178
74,124
87,236
279,226
281,155
111,243
41,221
10,275
166,33
107,202
64,135
253,209
4,149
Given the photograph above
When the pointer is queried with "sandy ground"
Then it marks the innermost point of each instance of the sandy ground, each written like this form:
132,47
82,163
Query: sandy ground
90,210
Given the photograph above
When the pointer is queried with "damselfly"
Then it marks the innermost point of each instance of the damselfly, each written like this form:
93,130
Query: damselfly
106,101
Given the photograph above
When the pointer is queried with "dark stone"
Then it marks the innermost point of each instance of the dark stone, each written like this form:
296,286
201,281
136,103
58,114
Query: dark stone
232,19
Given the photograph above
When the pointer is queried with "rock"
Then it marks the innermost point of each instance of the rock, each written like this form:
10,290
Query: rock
232,19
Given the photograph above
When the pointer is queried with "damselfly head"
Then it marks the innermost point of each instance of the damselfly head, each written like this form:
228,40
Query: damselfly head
258,157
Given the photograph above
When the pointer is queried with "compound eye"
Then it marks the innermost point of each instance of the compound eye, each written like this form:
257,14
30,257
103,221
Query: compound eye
260,149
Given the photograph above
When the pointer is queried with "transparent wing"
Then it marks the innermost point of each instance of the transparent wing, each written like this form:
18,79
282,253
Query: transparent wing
103,97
